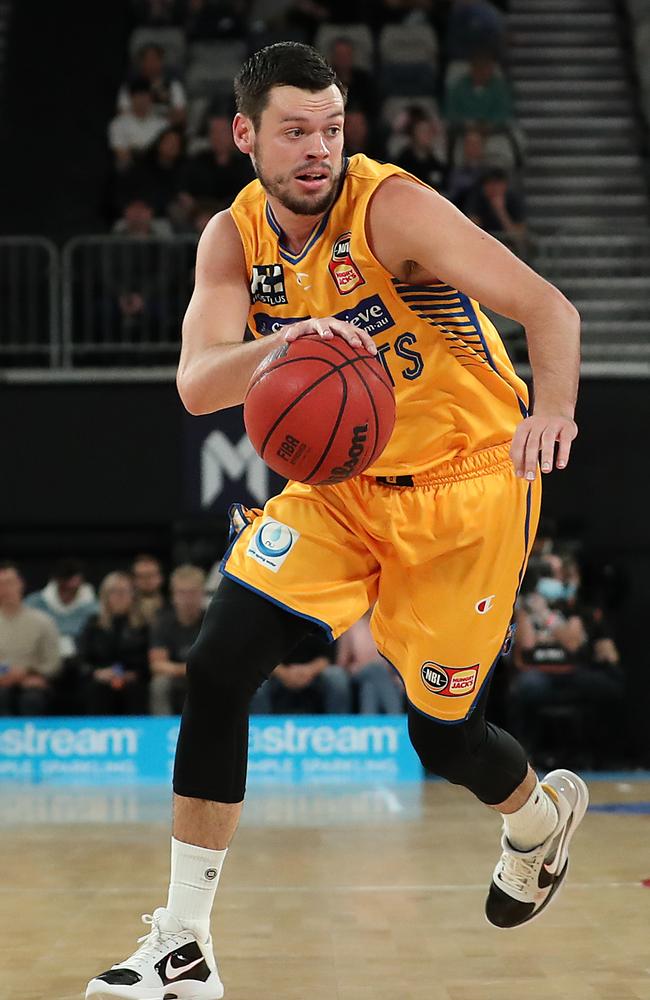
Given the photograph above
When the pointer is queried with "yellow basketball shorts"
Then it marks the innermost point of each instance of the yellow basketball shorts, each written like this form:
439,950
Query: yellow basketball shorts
441,561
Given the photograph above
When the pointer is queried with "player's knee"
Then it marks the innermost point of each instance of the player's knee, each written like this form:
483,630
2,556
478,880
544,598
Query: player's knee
218,675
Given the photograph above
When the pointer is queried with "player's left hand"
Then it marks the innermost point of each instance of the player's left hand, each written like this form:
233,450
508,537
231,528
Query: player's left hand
539,433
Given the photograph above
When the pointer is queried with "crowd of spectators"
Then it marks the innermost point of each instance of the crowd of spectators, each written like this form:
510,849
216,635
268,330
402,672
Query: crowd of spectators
66,650
427,87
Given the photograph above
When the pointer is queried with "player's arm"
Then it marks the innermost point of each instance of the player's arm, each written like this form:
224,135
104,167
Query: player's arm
215,364
407,222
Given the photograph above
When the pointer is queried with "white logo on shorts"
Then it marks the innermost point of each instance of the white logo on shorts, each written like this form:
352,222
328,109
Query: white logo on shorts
485,604
272,543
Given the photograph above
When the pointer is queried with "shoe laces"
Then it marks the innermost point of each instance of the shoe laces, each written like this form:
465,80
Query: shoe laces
156,943
518,870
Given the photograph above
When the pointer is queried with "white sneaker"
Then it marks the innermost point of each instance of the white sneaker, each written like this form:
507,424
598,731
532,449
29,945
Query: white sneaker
524,882
170,964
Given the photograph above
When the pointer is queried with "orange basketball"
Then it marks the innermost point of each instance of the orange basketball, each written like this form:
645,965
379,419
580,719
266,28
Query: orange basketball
319,411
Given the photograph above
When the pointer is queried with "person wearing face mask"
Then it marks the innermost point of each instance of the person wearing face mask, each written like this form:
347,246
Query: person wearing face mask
564,656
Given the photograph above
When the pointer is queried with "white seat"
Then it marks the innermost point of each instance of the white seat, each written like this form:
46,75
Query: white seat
360,36
170,40
212,66
268,11
403,44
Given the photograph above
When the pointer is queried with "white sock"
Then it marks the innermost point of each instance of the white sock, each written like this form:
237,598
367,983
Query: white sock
530,825
194,879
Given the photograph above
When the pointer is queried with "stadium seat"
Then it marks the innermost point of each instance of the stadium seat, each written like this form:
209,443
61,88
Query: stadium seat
212,66
170,40
393,107
360,36
405,44
268,11
407,80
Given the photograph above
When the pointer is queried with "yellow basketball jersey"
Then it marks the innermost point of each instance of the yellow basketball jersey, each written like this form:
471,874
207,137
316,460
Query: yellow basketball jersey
455,386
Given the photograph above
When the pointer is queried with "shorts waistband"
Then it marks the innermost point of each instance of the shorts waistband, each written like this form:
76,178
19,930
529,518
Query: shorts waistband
480,463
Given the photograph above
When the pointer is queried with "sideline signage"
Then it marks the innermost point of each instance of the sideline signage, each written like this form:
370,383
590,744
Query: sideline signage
296,749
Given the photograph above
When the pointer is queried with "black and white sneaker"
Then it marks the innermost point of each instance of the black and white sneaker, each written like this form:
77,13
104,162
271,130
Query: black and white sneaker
170,964
525,882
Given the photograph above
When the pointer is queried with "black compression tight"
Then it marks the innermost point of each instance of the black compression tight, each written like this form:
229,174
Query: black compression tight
244,636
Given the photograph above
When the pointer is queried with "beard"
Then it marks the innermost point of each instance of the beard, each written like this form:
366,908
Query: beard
279,186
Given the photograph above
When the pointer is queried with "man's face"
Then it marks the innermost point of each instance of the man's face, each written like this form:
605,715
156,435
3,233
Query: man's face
297,150
141,103
138,215
11,587
356,130
221,135
495,188
69,588
151,64
187,599
482,70
148,578
342,57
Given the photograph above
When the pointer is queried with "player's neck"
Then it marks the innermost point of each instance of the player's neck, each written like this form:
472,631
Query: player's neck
296,229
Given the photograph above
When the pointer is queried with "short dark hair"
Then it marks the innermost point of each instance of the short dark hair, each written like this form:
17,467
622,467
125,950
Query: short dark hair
65,569
8,564
139,85
285,64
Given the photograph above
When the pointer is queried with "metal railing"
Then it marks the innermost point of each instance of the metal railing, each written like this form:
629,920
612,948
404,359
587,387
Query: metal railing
30,291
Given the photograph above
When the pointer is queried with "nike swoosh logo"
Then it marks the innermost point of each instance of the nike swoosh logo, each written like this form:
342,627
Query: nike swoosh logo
548,872
172,973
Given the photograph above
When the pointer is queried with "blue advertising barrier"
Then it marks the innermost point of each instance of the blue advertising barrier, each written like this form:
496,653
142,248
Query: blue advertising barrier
284,750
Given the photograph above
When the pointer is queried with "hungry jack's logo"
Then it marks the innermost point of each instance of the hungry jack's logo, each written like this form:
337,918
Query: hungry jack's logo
344,271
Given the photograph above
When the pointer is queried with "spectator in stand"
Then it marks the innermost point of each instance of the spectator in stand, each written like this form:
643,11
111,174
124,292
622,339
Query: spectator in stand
562,656
496,207
397,11
134,130
362,92
308,685
68,600
465,176
203,212
165,89
149,586
380,689
481,98
158,176
138,222
29,649
173,633
218,174
358,134
113,648
474,25
420,156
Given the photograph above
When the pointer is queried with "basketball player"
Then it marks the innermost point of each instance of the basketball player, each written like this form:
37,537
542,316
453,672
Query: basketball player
437,533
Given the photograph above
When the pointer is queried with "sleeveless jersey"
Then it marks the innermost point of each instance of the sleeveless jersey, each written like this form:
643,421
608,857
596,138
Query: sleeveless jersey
455,387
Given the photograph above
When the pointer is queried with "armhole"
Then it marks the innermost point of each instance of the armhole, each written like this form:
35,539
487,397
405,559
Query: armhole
245,242
401,175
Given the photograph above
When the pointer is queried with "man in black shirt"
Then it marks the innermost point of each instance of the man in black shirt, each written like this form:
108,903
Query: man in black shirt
220,172
172,636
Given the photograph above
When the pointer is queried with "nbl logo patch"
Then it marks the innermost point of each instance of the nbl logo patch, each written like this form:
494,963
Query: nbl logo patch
344,271
451,682
267,284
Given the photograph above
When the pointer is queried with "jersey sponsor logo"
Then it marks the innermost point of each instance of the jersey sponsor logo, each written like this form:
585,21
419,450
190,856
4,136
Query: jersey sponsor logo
451,682
485,604
344,271
267,284
271,324
370,315
303,280
272,543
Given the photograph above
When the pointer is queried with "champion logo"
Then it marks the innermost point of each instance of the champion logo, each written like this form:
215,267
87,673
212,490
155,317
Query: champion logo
173,972
485,604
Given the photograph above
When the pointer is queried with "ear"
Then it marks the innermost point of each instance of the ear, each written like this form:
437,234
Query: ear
243,134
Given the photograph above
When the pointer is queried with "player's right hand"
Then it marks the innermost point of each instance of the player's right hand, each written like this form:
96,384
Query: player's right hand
328,328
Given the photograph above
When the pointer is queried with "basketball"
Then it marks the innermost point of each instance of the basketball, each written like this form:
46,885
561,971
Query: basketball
319,411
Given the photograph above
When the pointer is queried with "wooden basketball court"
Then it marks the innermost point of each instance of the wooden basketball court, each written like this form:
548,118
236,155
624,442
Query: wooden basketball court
333,895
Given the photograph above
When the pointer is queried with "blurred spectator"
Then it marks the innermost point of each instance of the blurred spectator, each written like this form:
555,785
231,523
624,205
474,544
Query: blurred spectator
473,26
464,176
397,11
203,212
138,221
307,16
307,685
134,130
157,177
213,19
68,600
173,633
419,155
358,134
379,687
160,13
481,97
167,95
149,586
113,650
562,658
221,172
29,649
362,92
495,206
